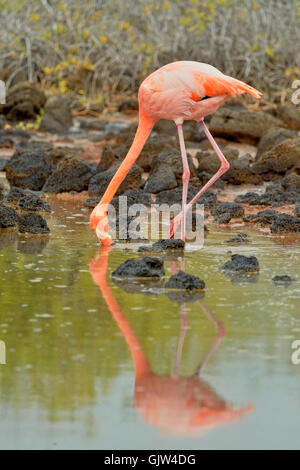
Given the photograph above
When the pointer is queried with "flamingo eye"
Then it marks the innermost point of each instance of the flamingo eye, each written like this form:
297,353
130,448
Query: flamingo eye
205,98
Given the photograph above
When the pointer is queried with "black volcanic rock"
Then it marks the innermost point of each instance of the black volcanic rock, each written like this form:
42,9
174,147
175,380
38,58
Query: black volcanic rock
33,223
146,267
8,217
242,263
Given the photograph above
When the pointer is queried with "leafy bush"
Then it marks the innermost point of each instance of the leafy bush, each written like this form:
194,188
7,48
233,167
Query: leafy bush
104,45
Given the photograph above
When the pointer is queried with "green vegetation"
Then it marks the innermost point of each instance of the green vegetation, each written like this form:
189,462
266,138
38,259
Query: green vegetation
105,46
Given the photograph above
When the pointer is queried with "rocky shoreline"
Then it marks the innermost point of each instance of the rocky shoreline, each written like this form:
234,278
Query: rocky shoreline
71,156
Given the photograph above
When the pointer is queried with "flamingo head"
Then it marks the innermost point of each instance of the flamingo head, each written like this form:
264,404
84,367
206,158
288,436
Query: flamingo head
99,223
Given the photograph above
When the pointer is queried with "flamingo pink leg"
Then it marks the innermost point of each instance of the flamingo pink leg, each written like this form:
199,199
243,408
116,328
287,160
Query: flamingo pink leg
185,177
224,167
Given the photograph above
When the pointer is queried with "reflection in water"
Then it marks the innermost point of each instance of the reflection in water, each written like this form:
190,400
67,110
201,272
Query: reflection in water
176,404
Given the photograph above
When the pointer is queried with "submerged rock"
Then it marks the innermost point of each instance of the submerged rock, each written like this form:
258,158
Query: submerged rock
286,223
184,281
239,239
7,238
8,217
284,280
32,202
242,263
232,208
164,245
146,267
32,223
33,245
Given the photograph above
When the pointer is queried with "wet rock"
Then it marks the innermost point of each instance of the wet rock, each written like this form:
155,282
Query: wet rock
290,114
209,162
241,172
8,217
284,280
57,118
241,124
32,223
99,182
266,217
161,180
108,157
291,181
240,238
135,286
164,245
33,203
23,101
297,211
184,281
146,267
130,104
272,138
232,208
33,246
286,223
223,218
72,174
285,156
28,170
241,263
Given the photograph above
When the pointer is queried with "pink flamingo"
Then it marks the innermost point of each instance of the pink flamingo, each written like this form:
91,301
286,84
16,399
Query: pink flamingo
179,91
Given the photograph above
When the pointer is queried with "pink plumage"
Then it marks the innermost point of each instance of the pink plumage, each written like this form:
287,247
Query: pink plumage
178,91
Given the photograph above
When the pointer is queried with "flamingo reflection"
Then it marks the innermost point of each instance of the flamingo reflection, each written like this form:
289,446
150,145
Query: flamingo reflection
177,404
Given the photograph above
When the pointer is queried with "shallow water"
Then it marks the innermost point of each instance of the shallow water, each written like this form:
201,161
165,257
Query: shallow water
76,342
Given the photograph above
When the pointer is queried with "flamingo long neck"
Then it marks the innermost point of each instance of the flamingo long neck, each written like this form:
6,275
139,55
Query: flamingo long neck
143,131
98,271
